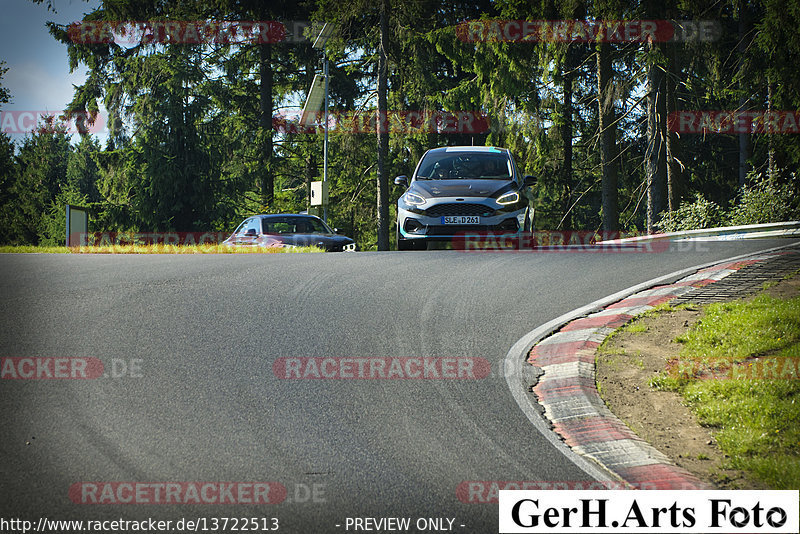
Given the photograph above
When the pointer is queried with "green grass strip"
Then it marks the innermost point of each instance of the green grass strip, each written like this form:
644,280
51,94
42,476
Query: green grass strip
743,360
156,249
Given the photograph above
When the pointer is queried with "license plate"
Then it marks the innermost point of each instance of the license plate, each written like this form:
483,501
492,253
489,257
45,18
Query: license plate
461,219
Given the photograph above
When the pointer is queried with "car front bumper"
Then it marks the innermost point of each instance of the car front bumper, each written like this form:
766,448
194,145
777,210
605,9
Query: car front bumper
418,225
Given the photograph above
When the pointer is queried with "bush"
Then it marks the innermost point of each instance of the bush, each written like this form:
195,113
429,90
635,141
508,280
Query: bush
701,213
763,201
53,224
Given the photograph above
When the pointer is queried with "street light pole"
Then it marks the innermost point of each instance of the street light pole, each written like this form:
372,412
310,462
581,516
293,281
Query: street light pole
319,44
325,144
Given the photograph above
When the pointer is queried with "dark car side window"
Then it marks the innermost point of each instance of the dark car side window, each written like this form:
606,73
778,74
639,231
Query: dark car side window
313,226
277,227
293,225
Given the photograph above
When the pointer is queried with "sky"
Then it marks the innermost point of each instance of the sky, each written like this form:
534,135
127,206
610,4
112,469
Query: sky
38,76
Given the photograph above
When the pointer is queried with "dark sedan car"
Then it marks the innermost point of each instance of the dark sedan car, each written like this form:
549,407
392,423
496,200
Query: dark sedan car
289,230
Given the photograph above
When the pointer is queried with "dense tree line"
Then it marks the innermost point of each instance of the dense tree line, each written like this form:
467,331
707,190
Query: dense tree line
193,140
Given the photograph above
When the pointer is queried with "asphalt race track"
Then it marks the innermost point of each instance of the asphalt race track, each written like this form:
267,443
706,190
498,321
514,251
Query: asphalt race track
190,394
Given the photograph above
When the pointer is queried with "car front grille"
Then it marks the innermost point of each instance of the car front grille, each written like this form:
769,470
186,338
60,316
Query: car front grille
509,225
458,208
448,230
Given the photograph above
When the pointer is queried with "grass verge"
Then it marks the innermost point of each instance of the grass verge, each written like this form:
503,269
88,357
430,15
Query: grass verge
738,372
156,249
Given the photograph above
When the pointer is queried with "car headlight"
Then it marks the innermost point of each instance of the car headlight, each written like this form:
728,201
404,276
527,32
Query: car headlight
414,200
508,198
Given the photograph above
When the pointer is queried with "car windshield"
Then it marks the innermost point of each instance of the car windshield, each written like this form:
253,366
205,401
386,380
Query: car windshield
293,225
465,165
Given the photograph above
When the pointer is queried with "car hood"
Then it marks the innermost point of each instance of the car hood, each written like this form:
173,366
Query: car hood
308,240
458,188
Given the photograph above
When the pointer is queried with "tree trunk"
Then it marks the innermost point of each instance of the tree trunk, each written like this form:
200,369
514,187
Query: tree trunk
674,166
655,155
771,171
566,133
383,132
265,123
744,138
608,135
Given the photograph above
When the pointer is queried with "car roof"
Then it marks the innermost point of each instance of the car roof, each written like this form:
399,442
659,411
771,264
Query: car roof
473,149
276,215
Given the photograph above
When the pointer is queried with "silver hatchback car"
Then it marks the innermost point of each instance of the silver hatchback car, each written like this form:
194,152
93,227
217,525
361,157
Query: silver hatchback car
461,189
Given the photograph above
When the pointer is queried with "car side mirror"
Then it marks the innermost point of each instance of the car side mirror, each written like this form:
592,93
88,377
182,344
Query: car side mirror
250,232
401,180
529,181
336,230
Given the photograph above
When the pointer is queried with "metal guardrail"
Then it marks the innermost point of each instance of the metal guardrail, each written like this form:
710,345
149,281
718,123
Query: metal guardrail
749,231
